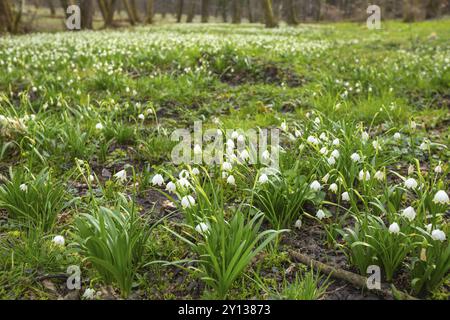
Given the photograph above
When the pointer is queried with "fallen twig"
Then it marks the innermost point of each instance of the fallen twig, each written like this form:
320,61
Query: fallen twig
350,277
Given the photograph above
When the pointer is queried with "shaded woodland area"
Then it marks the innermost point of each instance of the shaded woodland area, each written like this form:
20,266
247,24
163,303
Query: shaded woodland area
17,16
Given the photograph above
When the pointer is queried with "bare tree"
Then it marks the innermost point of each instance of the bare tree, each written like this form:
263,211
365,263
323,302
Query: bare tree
237,11
191,12
87,14
290,12
433,9
150,11
268,14
205,11
180,6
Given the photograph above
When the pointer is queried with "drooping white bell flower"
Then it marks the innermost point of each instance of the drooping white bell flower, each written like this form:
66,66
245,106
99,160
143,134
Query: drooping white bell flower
141,117
263,178
121,175
441,197
438,169
331,161
397,136
323,150
335,153
345,196
59,240
89,294
411,183
183,182
197,149
99,126
355,157
438,235
158,180
333,187
23,187
320,214
336,142
394,228
195,171
187,202
227,166
365,136
265,155
364,175
202,228
325,178
312,140
171,187
231,180
409,213
379,175
315,186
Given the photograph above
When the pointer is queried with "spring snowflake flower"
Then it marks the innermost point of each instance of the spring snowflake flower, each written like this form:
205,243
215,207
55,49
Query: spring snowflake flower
315,186
23,187
187,202
99,126
195,171
335,153
312,140
171,187
283,126
234,135
202,228
89,294
410,169
263,179
345,196
141,117
376,145
325,178
121,176
355,157
323,150
409,213
230,144
331,161
323,137
183,182
424,146
379,175
158,180
320,214
333,187
397,136
91,178
411,183
413,125
365,136
265,155
438,169
317,120
244,155
394,228
59,240
336,142
438,235
231,180
197,149
241,139
364,175
441,197
297,133
227,166
298,224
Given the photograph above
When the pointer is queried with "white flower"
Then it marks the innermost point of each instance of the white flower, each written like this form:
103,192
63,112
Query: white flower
336,142
428,227
298,133
171,187
265,155
315,186
23,187
158,180
227,166
244,155
424,146
298,224
323,150
263,178
197,149
91,178
333,187
379,175
89,294
331,161
187,202
325,178
441,197
230,144
376,145
355,157
364,175
241,139
397,136
394,228
438,169
59,240
438,235
141,116
411,183
320,214
410,169
323,137
312,140
283,126
364,136
195,171
345,196
202,228
409,213
183,182
335,153
234,135
121,175
99,126
413,125
317,120
231,180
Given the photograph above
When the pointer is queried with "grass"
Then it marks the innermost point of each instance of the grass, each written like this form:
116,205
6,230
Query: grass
91,104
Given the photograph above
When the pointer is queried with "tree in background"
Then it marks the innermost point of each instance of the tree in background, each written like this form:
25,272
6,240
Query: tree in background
179,9
191,12
150,11
10,16
289,12
268,14
237,11
87,14
433,9
205,11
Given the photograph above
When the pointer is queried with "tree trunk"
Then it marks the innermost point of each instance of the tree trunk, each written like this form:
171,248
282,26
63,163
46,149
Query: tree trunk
51,6
268,14
433,9
191,13
237,11
150,11
111,8
131,17
223,4
290,12
205,11
135,10
250,11
87,14
180,6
